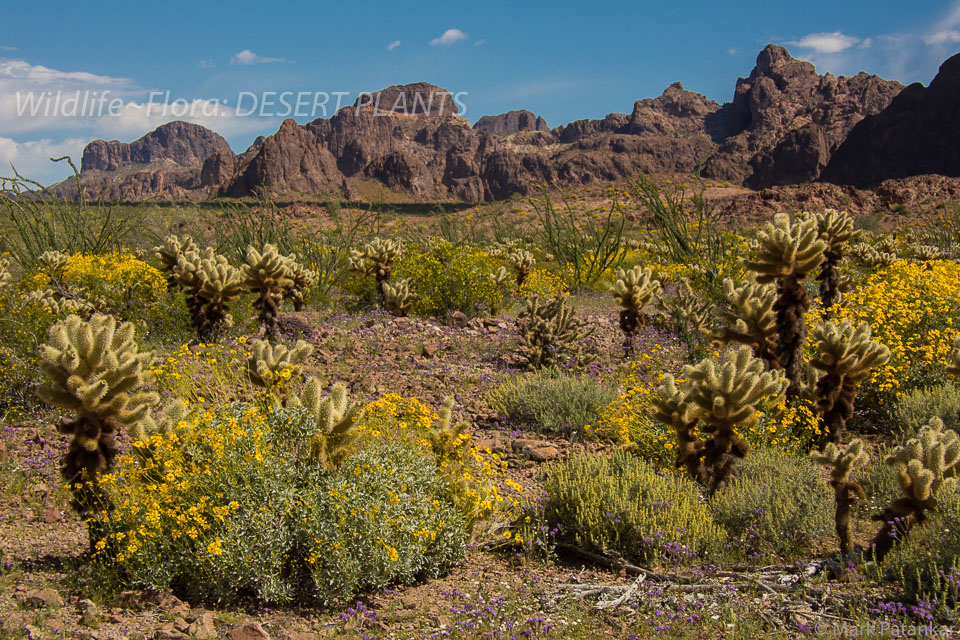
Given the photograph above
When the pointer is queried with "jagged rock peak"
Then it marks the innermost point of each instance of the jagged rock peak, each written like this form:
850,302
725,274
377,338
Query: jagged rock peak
511,122
184,143
418,98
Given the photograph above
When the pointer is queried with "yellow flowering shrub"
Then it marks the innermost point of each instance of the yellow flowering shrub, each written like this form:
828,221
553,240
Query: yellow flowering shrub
116,277
543,283
447,278
471,474
229,506
913,309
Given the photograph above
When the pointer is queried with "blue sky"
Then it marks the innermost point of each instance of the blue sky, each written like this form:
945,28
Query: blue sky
562,60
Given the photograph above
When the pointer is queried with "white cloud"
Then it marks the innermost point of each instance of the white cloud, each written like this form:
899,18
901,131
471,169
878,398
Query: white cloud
732,51
32,159
7,47
206,64
833,42
478,43
247,57
947,36
393,45
449,37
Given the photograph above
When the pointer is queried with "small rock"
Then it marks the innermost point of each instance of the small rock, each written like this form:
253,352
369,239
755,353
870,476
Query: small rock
203,627
249,631
542,454
89,613
51,514
459,320
169,633
408,602
32,632
48,598
181,625
430,350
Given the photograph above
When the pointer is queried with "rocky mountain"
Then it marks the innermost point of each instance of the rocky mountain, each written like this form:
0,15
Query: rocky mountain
918,133
783,125
511,122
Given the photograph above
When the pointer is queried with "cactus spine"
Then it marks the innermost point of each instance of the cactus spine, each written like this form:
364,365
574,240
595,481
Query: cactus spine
846,491
549,333
845,355
95,369
788,251
925,466
633,290
266,274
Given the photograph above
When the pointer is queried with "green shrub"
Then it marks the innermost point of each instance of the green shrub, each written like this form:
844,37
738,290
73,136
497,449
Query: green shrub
917,406
927,563
778,504
622,505
552,403
879,481
446,278
232,506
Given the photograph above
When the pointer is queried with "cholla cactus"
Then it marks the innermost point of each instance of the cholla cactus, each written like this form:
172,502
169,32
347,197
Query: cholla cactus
836,230
871,257
927,253
334,435
398,299
522,261
789,250
549,334
751,320
845,490
96,369
302,280
266,274
211,285
53,264
723,397
270,366
671,406
5,276
377,260
887,244
633,290
58,304
500,280
926,466
690,312
169,253
845,355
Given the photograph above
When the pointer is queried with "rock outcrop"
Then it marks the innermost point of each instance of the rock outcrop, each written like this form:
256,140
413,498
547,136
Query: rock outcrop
918,133
511,122
783,126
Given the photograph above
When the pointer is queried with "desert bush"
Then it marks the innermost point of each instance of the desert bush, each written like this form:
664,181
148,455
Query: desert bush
622,505
912,309
550,335
590,247
469,474
445,278
230,507
928,564
36,221
779,504
917,406
551,402
24,324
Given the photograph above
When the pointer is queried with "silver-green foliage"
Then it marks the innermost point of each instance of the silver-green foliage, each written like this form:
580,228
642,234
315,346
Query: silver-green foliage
622,505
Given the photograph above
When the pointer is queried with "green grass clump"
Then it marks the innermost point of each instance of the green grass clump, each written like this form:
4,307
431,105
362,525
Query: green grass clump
927,564
917,406
779,504
622,505
552,403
